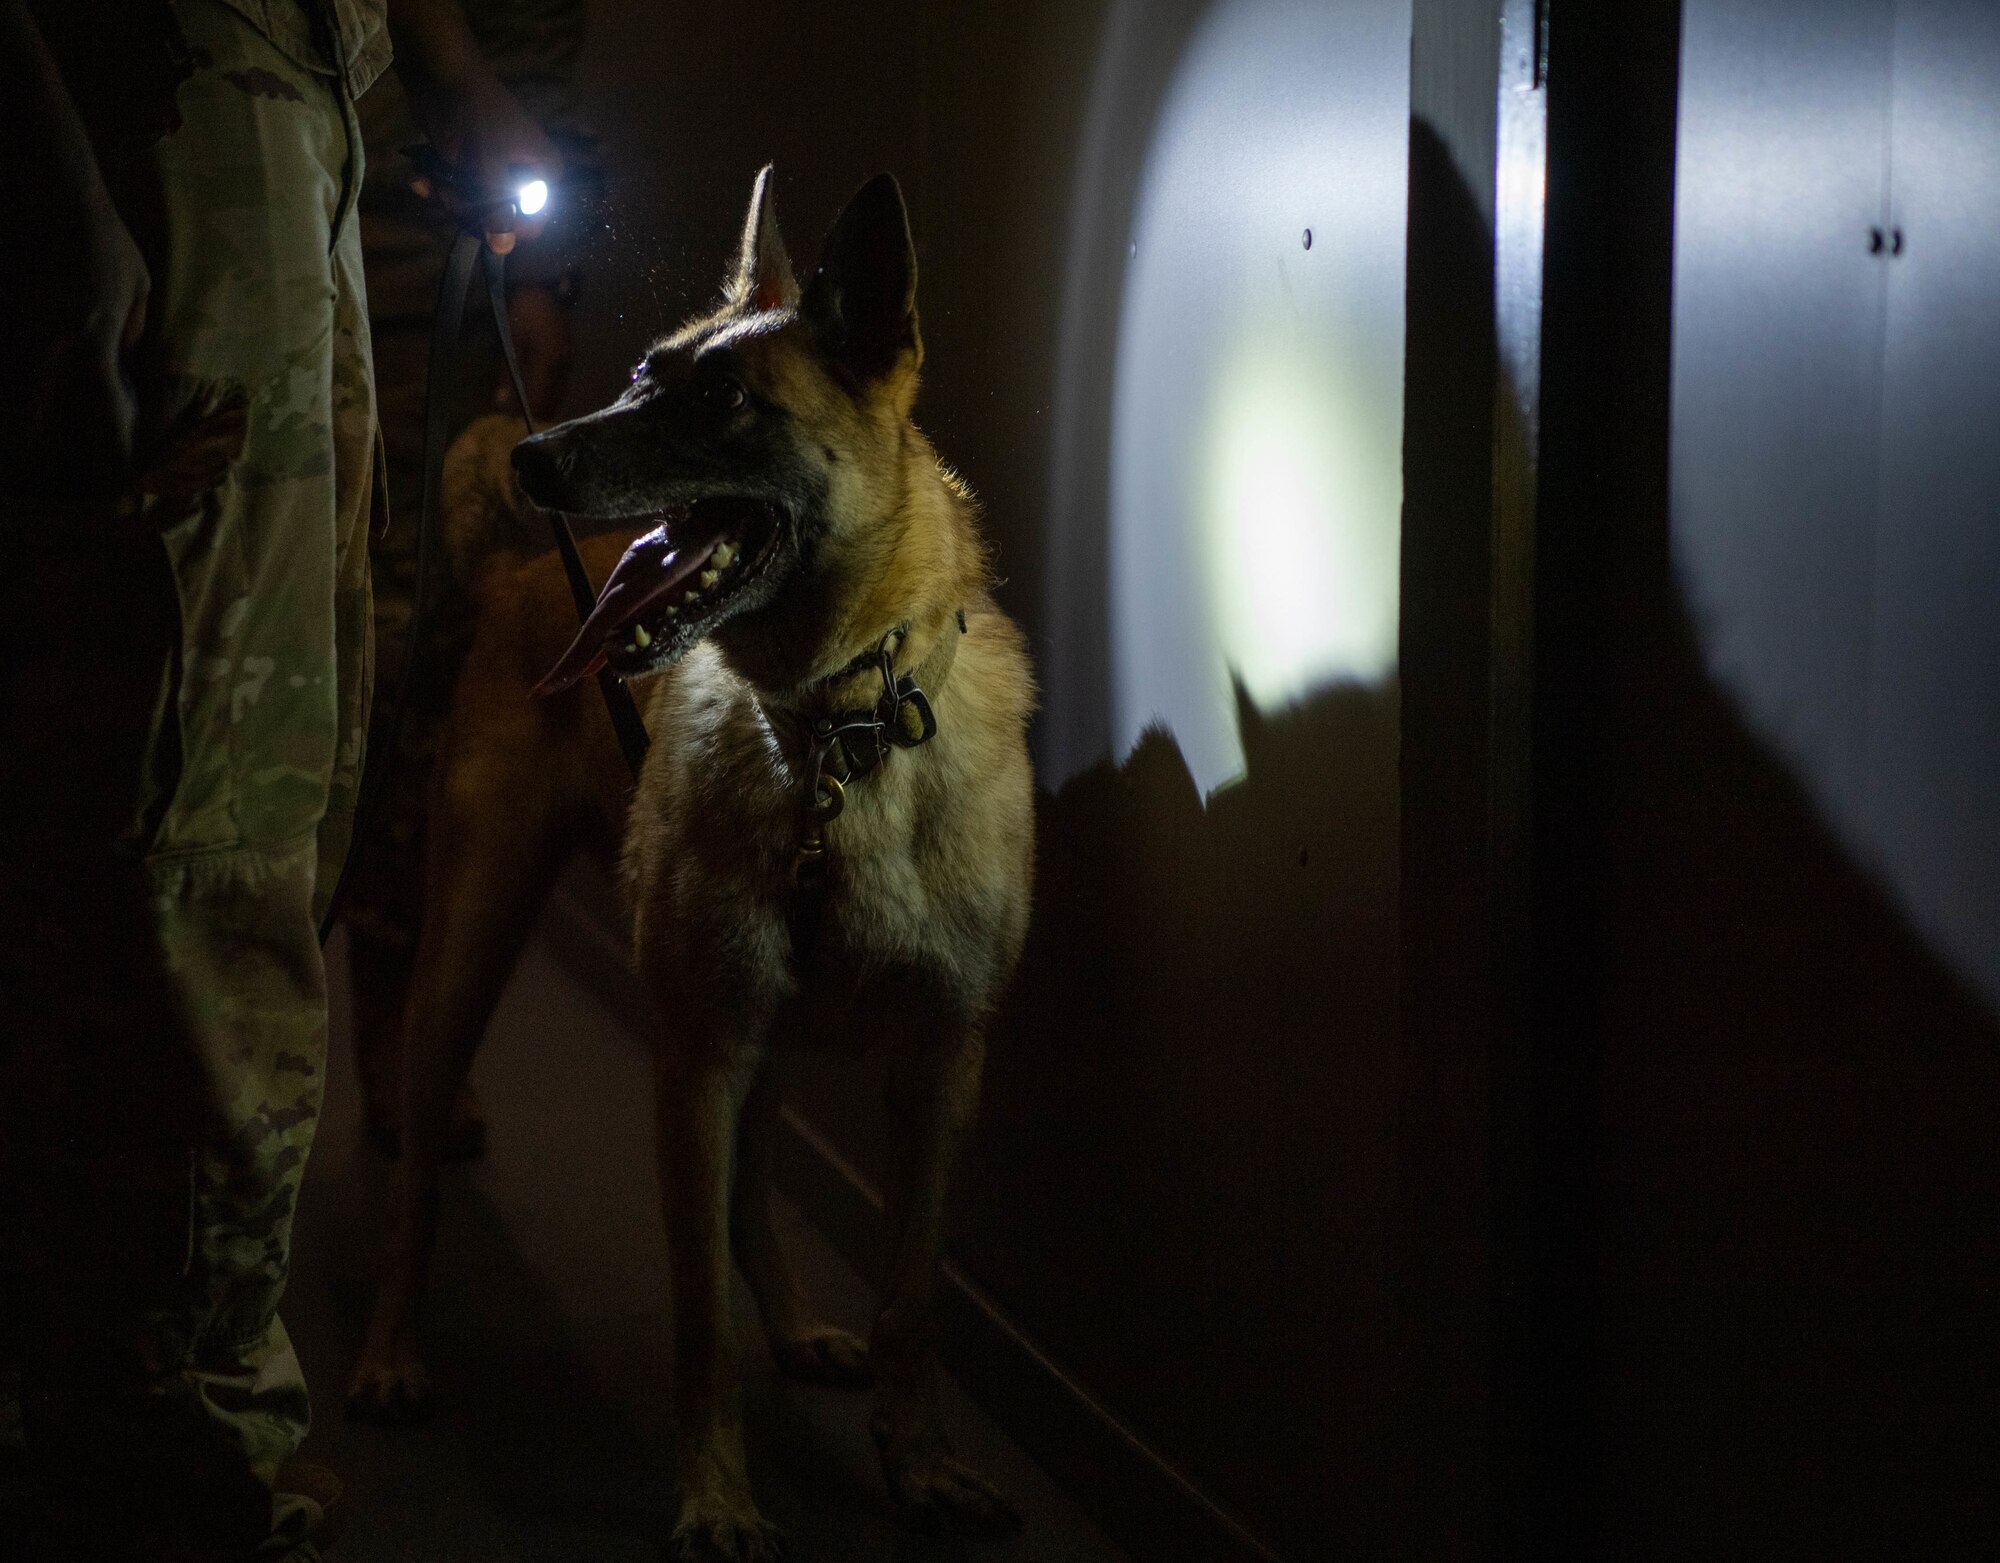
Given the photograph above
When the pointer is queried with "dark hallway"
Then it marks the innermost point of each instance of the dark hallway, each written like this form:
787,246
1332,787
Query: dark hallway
1500,1055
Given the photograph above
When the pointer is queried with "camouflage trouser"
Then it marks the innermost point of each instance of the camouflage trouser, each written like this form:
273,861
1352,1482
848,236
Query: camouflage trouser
186,731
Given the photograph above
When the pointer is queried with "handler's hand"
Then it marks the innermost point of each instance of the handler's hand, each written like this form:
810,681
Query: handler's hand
481,128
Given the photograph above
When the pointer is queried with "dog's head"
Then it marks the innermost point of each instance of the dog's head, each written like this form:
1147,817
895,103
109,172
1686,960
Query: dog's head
765,441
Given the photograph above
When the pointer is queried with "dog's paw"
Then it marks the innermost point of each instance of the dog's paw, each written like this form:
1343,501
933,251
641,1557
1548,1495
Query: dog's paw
824,1356
715,1532
391,1391
939,1496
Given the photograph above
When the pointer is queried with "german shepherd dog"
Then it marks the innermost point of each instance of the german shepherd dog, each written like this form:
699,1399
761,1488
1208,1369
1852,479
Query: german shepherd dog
831,839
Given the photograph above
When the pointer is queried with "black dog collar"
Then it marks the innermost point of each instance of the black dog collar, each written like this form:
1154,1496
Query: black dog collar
852,743
848,745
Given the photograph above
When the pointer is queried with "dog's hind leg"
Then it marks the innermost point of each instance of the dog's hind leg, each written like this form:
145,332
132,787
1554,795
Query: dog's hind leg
701,1098
491,869
378,972
805,1347
933,1084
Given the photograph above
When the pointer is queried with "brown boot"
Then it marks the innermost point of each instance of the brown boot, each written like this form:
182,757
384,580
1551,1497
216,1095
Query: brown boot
321,1498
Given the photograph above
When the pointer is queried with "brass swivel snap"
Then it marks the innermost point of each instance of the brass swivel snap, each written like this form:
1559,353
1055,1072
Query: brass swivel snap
829,798
809,862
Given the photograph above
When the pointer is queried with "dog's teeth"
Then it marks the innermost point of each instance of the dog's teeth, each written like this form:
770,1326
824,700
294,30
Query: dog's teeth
710,577
673,613
724,552
640,636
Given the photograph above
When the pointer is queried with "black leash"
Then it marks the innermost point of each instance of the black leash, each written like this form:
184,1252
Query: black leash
618,702
446,327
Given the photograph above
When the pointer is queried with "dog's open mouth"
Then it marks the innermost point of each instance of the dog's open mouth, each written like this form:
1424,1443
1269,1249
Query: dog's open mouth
671,587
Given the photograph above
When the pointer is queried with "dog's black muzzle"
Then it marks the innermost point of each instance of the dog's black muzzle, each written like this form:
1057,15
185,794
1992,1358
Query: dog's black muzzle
542,468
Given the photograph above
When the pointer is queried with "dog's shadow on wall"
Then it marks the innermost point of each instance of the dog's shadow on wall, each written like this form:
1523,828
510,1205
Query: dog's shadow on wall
1191,1114
1182,1179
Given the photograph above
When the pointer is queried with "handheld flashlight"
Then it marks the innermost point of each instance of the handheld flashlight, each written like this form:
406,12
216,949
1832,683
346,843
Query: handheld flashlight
468,203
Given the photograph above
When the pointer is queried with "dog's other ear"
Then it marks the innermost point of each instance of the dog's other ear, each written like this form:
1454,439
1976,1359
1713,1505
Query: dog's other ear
763,277
862,301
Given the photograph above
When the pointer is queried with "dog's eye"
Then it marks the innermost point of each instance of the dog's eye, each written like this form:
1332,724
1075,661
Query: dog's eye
723,394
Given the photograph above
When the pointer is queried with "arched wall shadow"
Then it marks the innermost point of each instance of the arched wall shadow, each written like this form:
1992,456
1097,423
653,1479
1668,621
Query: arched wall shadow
1136,55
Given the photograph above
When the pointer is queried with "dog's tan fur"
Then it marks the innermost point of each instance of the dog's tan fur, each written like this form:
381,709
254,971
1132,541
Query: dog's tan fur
922,921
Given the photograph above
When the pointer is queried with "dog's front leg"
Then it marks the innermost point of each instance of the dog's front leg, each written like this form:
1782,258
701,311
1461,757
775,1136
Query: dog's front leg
933,1086
701,1094
803,1344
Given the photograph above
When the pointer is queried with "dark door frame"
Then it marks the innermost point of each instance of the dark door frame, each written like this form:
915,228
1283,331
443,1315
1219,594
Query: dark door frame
1536,425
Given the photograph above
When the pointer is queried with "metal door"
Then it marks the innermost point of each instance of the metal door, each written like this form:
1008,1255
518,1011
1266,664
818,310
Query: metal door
1934,706
1778,300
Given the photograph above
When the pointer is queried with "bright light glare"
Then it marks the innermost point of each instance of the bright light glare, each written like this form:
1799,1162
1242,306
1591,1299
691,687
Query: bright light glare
1298,526
532,197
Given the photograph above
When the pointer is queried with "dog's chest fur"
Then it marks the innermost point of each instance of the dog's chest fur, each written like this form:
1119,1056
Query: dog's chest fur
929,863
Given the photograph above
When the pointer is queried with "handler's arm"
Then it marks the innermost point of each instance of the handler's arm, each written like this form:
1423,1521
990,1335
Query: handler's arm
73,285
470,116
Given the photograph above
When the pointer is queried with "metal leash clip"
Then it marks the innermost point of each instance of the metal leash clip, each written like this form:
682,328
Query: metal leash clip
827,799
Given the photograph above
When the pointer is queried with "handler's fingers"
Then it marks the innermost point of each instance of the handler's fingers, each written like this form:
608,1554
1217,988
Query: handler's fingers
526,227
500,221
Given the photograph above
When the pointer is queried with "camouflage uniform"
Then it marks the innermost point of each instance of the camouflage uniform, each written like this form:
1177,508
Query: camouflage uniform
185,718
532,46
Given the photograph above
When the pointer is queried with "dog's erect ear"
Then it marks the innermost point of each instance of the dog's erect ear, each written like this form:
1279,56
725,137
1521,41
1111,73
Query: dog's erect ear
763,277
863,299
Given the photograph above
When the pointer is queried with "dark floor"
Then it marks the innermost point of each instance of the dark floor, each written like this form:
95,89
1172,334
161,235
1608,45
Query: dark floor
548,1334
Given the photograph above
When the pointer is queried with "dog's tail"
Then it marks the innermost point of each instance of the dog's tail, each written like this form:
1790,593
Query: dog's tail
487,520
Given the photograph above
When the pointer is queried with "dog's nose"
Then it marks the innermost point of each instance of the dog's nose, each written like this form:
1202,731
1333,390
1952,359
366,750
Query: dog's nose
539,469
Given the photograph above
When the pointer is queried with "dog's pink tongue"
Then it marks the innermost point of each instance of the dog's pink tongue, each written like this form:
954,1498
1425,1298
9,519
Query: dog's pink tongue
652,567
